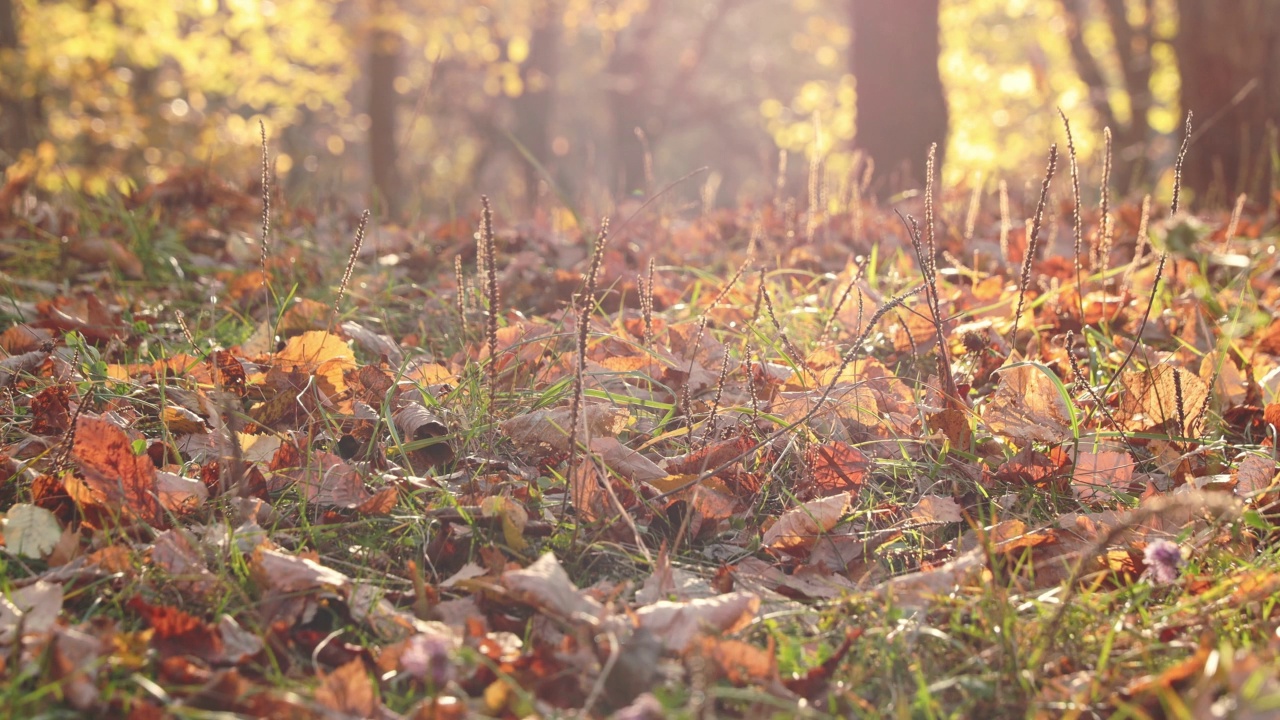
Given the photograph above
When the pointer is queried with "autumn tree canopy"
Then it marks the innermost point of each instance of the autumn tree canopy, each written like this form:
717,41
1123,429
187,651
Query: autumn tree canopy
406,104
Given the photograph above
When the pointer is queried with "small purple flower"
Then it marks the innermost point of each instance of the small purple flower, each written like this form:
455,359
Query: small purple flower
1164,560
426,657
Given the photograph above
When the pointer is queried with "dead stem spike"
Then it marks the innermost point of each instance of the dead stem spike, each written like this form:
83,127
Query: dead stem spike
1142,325
975,202
1077,222
1024,280
773,319
461,300
490,254
1103,251
835,312
1083,381
646,305
264,239
1177,165
1005,224
1141,244
351,264
715,402
587,304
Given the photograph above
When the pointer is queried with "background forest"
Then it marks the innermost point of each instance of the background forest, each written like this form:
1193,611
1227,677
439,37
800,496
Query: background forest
441,99
658,378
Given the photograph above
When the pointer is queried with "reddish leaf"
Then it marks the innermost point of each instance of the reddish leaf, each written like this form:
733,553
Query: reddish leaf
125,481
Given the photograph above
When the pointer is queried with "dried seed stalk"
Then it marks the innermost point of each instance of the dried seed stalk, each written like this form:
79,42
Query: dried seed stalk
1024,279
351,265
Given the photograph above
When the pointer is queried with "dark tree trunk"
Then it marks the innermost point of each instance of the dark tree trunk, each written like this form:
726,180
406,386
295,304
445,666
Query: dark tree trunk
900,102
1132,50
1229,59
384,65
16,132
535,105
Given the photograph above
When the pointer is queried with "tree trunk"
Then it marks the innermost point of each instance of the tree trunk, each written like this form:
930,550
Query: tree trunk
535,105
15,117
1229,59
384,65
901,107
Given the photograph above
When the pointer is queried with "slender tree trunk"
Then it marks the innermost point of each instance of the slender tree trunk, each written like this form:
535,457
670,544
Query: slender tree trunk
384,65
16,133
901,107
1229,58
536,104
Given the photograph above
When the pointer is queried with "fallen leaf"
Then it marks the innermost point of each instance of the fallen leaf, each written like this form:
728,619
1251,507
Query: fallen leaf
935,509
125,481
1027,406
1098,474
31,531
544,430
349,691
545,584
677,624
800,527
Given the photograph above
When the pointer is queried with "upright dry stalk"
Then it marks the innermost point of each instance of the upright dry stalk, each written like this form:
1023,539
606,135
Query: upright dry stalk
186,331
351,264
715,402
1235,216
587,304
1005,223
971,217
1084,382
1177,165
646,304
1024,280
266,218
835,311
780,183
1077,223
490,256
782,334
751,379
1141,244
1142,325
461,300
1102,252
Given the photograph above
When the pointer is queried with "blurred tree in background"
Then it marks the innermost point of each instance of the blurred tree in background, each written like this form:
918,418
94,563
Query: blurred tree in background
413,106
901,104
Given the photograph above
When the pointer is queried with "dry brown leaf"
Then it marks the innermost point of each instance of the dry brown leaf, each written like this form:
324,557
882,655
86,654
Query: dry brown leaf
324,354
291,574
76,661
915,589
172,551
626,462
1254,475
936,509
30,609
1026,406
124,481
349,691
1151,399
800,527
543,430
676,624
545,584
1099,474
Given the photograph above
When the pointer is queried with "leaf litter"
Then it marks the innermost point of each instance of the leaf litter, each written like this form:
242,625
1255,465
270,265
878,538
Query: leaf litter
402,509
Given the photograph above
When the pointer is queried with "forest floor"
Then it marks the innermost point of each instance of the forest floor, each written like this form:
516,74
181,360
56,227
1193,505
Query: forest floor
839,463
